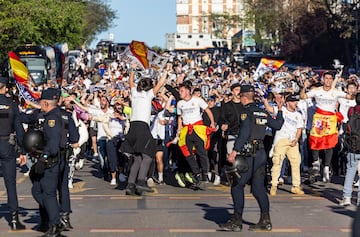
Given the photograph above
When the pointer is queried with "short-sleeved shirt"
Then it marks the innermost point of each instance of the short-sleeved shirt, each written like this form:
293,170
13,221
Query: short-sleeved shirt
191,110
326,100
141,105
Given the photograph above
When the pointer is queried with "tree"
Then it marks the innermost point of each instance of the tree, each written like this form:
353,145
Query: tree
223,23
46,22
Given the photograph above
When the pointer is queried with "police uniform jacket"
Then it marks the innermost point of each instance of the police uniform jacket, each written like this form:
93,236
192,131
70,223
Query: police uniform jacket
51,126
9,113
253,122
69,131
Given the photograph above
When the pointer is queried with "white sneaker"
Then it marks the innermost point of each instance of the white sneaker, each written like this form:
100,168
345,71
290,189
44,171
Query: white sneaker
150,182
70,185
113,182
355,184
217,180
81,163
280,181
28,172
209,176
346,201
122,177
316,165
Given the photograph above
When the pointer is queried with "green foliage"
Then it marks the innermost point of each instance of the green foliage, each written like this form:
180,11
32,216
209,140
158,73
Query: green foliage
50,21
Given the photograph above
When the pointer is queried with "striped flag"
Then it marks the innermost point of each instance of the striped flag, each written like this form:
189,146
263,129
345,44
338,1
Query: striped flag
23,79
267,64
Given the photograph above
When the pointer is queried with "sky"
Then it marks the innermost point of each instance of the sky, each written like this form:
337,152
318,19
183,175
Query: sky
142,20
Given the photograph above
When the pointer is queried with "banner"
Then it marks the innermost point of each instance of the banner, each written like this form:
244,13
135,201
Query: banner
138,53
22,78
267,64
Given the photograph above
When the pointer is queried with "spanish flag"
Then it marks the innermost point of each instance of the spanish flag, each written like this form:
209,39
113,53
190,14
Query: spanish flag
267,64
324,132
201,130
22,78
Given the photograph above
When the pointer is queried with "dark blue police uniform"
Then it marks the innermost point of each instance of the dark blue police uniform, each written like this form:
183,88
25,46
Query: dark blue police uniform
8,114
70,135
253,122
45,183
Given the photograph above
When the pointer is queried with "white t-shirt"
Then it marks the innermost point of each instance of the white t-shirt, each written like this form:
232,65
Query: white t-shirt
326,100
141,105
190,110
292,121
157,129
101,134
345,105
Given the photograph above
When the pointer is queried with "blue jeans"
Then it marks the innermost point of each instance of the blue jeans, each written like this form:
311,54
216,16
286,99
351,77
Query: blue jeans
351,169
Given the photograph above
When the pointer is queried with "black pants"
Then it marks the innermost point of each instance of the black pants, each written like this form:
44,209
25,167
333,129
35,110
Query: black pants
193,140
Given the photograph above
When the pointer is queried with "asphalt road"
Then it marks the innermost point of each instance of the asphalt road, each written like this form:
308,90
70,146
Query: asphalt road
103,210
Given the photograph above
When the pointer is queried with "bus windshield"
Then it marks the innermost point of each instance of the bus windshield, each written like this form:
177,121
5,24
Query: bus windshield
37,69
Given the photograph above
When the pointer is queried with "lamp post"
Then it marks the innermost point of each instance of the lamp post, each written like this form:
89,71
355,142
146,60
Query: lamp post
355,7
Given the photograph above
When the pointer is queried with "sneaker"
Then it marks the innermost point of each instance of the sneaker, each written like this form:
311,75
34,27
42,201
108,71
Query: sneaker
316,166
81,163
273,190
180,179
198,183
27,173
70,184
297,190
356,184
281,181
122,177
113,182
217,180
346,201
150,182
189,177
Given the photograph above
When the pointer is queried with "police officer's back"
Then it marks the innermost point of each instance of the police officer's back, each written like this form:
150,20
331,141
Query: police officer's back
8,114
45,172
249,149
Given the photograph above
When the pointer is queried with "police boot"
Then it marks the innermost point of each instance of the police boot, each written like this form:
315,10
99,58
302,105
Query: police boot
15,223
263,224
44,220
233,224
130,189
65,221
53,231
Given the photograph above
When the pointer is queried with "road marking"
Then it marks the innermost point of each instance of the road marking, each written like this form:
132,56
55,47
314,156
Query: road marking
192,230
183,198
79,187
112,231
289,230
345,230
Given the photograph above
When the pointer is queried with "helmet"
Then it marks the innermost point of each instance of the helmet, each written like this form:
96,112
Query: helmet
34,141
233,171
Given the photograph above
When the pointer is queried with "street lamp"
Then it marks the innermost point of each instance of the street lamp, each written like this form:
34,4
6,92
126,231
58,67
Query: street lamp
355,7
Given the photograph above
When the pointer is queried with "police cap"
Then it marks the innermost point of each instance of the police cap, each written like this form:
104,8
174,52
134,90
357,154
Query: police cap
247,88
50,94
4,80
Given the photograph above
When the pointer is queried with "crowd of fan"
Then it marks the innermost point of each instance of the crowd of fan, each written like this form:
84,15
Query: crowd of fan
98,92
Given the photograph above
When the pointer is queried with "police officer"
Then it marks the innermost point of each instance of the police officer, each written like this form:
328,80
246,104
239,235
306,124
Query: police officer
8,114
45,172
249,144
69,141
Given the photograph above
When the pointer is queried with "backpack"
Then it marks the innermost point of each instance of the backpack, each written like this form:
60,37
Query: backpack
352,133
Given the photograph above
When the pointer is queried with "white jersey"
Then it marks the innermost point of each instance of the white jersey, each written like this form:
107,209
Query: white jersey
326,100
157,129
141,105
345,105
190,110
292,121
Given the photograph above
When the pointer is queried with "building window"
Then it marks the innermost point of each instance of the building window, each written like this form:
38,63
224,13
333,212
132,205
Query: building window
178,36
201,36
189,36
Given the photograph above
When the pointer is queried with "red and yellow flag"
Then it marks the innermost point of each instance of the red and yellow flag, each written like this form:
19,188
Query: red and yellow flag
323,133
22,78
268,64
